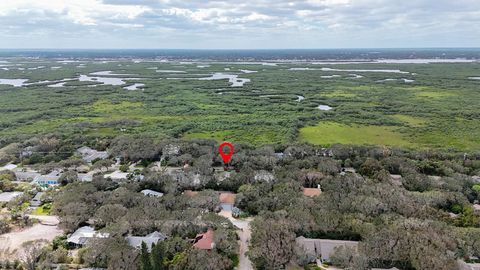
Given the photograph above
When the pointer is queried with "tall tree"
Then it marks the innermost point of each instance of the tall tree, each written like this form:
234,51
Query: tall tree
157,255
145,262
273,241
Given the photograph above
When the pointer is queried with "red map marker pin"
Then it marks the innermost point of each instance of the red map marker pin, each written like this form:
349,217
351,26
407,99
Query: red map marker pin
226,156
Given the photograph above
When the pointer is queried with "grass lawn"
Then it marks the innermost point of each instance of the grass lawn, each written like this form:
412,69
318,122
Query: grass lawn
42,210
328,133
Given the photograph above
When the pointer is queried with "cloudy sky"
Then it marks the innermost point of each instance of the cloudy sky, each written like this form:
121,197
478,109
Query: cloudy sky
239,24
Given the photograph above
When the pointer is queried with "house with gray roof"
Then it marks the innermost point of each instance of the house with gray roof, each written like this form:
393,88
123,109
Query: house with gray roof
149,240
8,167
84,234
37,200
151,193
323,248
468,266
88,154
51,179
8,196
85,177
26,176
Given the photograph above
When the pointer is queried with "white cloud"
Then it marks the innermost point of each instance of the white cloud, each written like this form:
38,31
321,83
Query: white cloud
257,23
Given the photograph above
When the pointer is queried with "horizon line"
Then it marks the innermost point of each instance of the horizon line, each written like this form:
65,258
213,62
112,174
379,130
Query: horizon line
242,49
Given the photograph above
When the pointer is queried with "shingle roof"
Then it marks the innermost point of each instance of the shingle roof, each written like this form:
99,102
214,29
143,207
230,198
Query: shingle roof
151,193
190,193
8,196
88,154
117,175
323,248
36,201
312,192
83,234
8,167
204,240
149,240
23,176
227,197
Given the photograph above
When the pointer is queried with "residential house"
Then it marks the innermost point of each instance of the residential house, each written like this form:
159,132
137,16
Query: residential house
190,193
205,240
468,266
349,170
323,248
312,192
151,193
89,155
84,234
8,196
8,167
117,176
85,177
149,240
51,179
26,176
227,200
37,200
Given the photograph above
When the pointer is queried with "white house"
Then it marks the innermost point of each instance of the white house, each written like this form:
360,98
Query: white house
8,196
151,193
81,236
50,179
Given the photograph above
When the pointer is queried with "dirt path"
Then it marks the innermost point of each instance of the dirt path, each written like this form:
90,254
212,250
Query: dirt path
244,233
46,220
10,243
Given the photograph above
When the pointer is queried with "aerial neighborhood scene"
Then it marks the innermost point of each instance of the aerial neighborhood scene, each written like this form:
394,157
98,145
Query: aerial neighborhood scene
255,134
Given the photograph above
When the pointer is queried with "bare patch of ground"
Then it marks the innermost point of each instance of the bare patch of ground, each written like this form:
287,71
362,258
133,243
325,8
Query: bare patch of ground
10,243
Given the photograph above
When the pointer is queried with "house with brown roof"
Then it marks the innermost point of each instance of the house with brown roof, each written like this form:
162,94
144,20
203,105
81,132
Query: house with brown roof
312,192
227,200
190,193
205,240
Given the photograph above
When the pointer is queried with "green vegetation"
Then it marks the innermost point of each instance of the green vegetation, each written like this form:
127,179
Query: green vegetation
410,120
43,210
328,133
265,110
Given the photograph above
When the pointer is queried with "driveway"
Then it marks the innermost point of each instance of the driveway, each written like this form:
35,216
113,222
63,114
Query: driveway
244,233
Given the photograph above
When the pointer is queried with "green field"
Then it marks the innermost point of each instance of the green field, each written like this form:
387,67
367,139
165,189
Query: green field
328,133
438,109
